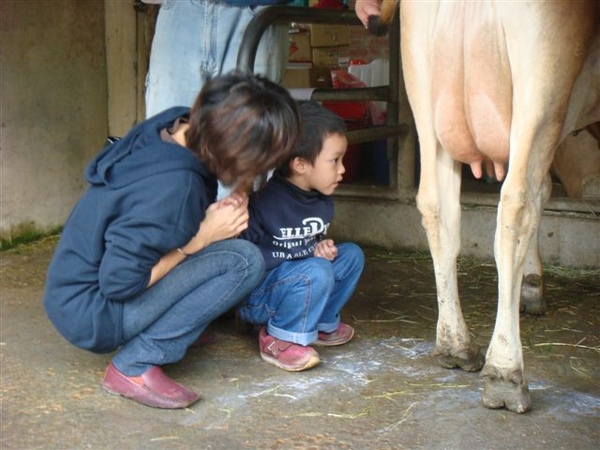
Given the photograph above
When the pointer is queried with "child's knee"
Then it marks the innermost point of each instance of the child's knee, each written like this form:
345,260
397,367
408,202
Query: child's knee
353,252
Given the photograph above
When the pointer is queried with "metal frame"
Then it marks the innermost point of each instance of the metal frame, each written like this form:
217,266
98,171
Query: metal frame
395,130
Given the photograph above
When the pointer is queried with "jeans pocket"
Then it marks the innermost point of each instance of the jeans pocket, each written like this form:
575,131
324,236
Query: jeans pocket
167,4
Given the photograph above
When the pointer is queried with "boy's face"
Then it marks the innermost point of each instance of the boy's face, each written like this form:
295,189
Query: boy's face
326,173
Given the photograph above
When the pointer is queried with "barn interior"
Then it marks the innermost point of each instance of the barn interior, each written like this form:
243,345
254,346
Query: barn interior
75,74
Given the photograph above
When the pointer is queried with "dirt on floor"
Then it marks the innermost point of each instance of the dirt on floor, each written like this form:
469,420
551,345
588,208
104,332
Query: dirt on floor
382,390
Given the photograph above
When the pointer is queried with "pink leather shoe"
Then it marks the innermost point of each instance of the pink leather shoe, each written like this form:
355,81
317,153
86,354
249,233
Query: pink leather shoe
339,337
286,355
206,338
152,388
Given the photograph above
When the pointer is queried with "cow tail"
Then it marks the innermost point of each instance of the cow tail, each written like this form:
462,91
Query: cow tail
378,25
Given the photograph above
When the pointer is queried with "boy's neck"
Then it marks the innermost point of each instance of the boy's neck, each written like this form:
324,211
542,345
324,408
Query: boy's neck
299,181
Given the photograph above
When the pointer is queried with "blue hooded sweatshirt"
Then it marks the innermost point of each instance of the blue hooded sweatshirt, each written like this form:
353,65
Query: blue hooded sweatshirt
146,197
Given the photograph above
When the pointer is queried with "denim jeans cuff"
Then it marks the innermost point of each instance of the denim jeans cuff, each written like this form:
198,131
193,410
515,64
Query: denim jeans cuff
291,336
329,327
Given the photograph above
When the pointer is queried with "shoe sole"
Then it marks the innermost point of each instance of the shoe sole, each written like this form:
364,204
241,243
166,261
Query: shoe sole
312,362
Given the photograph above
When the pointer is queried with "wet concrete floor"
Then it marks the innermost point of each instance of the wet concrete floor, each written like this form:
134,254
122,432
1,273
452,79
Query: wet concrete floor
380,391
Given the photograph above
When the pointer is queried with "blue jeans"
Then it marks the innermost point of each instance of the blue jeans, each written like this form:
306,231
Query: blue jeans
167,318
195,40
198,39
299,298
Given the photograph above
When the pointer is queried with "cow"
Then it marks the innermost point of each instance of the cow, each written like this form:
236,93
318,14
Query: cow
498,86
576,163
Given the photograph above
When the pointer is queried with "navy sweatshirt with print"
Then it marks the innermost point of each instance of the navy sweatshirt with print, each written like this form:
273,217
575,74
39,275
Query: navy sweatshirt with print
286,222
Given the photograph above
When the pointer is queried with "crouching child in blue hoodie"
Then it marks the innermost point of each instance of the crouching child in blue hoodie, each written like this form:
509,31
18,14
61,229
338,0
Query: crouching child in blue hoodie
145,261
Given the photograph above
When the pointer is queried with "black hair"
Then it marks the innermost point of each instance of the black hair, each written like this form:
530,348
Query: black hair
316,124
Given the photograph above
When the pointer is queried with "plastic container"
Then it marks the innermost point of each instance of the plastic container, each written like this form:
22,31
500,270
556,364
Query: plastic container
375,73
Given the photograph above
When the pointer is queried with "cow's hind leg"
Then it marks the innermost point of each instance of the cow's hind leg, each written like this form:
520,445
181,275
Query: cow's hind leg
505,383
532,285
536,130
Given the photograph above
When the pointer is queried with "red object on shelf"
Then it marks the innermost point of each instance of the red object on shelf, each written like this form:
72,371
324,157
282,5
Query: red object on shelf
342,79
330,4
355,114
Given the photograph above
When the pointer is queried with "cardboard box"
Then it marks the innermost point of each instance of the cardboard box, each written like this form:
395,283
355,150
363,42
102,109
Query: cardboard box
329,35
299,49
331,56
300,78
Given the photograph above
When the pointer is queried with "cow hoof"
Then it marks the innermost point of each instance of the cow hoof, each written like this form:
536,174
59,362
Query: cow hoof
472,362
510,392
532,295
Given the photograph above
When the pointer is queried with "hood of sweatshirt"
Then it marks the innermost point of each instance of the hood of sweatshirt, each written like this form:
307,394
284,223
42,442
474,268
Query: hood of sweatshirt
142,153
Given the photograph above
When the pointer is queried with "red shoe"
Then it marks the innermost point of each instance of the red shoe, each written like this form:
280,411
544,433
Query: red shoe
206,338
152,388
340,336
286,355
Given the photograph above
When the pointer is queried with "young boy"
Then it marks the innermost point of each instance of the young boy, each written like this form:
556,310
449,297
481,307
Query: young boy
308,278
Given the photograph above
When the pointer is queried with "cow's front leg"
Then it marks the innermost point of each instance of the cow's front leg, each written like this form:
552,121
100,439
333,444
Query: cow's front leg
438,201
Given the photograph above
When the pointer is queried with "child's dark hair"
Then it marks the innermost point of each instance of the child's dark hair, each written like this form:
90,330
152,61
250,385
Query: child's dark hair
316,124
241,126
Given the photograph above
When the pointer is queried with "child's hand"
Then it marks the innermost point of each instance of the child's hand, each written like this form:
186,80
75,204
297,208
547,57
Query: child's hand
326,249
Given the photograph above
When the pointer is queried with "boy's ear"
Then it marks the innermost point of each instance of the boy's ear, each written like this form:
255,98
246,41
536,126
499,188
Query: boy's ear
299,165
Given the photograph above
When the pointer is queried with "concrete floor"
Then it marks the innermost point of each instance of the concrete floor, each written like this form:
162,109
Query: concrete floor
380,391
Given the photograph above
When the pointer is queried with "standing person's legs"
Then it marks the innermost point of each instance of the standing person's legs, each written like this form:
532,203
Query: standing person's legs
198,39
179,55
271,56
165,320
272,53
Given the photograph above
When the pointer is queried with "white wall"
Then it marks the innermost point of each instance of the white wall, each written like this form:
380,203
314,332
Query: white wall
53,107
72,72
566,239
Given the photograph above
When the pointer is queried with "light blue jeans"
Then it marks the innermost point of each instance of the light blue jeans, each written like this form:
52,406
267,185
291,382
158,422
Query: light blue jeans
198,39
297,299
160,325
